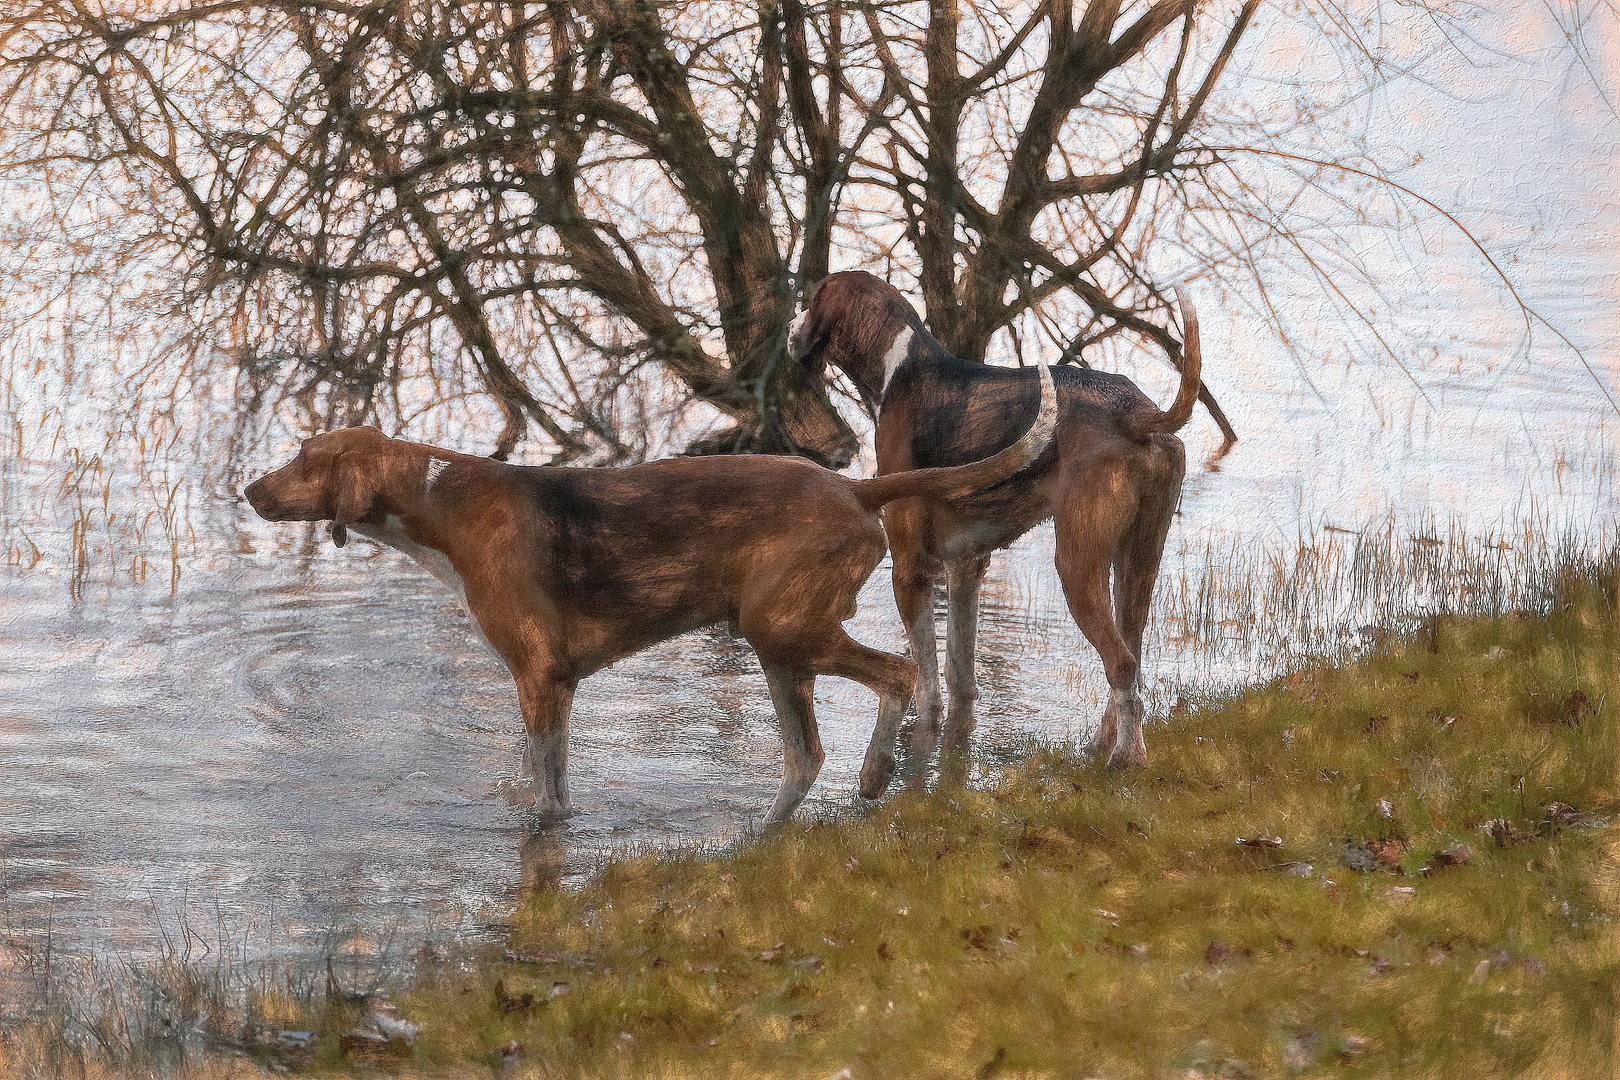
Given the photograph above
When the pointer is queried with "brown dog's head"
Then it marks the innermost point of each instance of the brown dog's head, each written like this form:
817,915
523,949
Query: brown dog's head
335,477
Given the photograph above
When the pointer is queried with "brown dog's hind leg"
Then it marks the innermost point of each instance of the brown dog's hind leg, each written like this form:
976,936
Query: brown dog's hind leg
546,702
791,693
1136,562
791,664
893,679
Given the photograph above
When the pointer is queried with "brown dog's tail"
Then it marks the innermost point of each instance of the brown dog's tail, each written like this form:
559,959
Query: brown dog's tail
1192,368
958,480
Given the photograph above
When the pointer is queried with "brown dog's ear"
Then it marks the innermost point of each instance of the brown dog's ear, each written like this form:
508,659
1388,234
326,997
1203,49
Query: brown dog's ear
354,490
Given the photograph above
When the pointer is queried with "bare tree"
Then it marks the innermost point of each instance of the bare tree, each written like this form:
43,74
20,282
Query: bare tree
546,201
345,183
1067,199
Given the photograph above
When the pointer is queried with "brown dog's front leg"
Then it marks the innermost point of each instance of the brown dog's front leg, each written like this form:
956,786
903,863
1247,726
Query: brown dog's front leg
546,701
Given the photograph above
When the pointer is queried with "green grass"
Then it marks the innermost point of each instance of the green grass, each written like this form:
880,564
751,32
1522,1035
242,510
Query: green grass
1071,922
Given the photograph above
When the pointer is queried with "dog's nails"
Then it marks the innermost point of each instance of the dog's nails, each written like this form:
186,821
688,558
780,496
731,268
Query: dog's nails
340,533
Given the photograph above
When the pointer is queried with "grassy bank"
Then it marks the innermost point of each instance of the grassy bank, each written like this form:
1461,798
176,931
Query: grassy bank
1391,868
1405,866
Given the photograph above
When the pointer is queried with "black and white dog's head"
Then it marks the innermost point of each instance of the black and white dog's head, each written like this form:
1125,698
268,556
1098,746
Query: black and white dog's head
863,326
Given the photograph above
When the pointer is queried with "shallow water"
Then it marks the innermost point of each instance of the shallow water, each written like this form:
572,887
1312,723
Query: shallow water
306,751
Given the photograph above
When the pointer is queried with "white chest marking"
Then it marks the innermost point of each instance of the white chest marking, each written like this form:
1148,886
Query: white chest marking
392,532
898,349
435,467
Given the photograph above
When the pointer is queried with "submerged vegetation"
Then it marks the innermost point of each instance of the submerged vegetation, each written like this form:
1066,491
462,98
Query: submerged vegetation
1266,610
1400,866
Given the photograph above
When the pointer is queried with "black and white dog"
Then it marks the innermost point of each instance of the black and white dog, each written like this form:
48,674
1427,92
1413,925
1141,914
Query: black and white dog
1111,477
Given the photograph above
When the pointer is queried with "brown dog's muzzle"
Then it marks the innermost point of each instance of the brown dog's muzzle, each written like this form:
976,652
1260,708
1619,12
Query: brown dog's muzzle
279,496
293,493
260,498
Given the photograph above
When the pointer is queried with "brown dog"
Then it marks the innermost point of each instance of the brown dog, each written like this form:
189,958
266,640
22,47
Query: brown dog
567,570
1111,478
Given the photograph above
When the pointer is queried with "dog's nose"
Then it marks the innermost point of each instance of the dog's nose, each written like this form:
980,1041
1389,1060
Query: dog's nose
258,497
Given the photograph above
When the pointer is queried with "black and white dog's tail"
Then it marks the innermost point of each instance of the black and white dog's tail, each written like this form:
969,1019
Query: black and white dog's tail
958,480
1192,367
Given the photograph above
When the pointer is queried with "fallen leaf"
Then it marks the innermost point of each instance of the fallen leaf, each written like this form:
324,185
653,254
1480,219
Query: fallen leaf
512,1003
1354,1045
1358,858
1388,852
978,936
370,1044
1455,855
1504,832
1571,818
